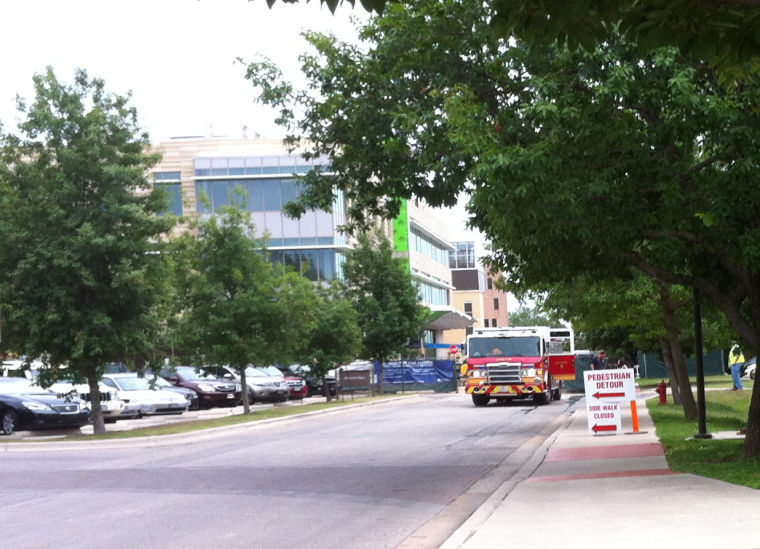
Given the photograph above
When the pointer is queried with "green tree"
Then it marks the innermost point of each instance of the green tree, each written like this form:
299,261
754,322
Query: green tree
531,316
576,161
385,299
80,261
725,33
335,336
238,309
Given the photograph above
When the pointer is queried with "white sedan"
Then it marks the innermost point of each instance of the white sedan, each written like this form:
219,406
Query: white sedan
151,400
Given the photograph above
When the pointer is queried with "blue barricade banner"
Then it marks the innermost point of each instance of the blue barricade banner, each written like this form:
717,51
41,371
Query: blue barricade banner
417,371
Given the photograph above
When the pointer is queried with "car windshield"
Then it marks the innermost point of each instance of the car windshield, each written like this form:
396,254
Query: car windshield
188,372
132,383
19,386
504,346
272,371
158,381
255,372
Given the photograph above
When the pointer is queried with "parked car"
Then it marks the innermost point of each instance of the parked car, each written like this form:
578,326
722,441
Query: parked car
297,386
211,390
748,370
111,405
153,401
160,383
262,386
314,382
26,406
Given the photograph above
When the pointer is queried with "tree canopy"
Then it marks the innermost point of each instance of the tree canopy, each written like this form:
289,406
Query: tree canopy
723,33
235,307
80,265
385,298
577,162
335,337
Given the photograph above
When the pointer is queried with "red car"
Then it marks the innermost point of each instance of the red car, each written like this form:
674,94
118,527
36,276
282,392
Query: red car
297,386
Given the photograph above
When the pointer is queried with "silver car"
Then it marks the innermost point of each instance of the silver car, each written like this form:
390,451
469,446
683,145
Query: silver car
262,386
152,401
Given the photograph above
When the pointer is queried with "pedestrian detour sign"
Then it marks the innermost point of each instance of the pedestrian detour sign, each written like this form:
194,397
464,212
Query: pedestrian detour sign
606,392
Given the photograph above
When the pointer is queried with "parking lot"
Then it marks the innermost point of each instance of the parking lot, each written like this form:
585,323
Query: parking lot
150,421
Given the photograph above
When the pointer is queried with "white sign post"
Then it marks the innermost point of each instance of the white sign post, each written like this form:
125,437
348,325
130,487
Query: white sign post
605,391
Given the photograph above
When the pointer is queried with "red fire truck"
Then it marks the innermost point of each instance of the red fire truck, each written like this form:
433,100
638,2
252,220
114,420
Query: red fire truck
529,361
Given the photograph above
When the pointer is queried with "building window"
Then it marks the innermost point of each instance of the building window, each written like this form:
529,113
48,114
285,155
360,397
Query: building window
167,176
313,264
254,195
493,323
463,257
428,248
486,321
496,303
490,283
432,295
173,194
468,308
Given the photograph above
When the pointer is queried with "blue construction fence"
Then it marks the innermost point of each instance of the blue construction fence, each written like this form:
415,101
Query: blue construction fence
418,375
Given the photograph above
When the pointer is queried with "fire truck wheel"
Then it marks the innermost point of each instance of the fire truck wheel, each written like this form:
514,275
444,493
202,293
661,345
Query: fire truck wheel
480,400
557,394
541,398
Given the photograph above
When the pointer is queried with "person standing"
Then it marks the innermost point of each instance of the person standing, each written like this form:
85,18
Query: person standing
599,362
735,361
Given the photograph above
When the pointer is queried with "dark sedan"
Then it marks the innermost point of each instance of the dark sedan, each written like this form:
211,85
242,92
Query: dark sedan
24,406
211,390
161,383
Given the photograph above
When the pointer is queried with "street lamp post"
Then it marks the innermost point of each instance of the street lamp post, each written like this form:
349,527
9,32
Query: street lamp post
700,368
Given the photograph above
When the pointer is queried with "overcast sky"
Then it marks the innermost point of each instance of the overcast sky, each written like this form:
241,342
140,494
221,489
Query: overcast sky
177,57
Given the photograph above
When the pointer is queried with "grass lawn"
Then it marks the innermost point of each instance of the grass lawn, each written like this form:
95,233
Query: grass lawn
726,410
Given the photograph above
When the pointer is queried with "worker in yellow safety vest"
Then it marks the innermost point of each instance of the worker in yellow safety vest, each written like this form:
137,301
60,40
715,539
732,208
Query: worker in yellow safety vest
735,361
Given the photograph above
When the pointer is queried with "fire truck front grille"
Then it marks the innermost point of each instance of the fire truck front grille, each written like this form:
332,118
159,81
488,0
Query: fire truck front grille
504,373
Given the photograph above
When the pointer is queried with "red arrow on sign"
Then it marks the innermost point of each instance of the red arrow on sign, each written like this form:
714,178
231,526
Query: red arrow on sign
608,395
597,428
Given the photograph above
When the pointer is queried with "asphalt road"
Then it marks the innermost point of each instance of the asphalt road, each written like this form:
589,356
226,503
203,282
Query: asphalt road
404,473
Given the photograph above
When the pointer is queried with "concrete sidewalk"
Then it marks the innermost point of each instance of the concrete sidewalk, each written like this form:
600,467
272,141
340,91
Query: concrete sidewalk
611,491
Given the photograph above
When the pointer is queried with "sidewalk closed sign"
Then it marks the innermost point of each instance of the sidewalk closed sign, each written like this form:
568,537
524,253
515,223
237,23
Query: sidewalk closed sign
606,391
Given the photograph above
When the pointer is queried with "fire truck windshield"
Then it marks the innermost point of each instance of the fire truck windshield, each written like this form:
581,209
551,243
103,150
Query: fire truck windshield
480,347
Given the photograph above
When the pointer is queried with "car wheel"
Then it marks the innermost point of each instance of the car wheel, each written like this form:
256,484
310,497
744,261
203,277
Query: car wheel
9,421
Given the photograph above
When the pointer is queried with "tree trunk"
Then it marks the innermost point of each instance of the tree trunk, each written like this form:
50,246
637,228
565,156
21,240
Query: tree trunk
676,351
244,388
326,387
752,437
382,374
98,423
667,357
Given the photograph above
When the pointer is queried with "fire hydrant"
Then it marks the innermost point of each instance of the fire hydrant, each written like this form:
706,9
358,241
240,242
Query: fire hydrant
662,390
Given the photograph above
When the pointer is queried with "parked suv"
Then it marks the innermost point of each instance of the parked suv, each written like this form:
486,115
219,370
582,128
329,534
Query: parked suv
262,386
211,390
